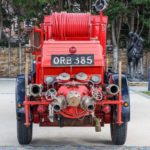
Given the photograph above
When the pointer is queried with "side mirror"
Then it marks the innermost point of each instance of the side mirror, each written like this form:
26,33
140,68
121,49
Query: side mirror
100,5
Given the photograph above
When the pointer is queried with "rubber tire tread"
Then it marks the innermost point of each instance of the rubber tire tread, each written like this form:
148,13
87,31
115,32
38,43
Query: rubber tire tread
24,134
118,133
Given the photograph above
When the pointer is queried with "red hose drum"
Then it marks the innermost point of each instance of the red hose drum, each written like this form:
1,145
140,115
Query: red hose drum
71,25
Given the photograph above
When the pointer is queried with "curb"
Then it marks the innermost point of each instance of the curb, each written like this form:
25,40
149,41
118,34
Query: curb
138,83
140,93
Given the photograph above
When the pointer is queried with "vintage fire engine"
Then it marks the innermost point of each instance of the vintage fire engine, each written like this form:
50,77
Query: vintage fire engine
69,84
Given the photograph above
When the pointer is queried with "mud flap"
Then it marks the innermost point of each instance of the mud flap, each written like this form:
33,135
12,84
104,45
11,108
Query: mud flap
125,96
20,96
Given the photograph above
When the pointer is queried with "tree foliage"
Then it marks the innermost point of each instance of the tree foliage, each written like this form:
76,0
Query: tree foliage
124,15
128,16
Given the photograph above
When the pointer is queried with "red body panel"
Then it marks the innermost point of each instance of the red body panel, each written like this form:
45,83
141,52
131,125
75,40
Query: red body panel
62,47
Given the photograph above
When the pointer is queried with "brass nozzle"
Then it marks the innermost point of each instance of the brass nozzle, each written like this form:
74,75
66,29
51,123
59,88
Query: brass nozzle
97,125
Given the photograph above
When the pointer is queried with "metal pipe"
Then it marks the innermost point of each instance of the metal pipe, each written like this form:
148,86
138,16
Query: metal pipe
112,89
20,56
119,117
35,89
87,103
120,76
149,79
26,105
59,103
27,69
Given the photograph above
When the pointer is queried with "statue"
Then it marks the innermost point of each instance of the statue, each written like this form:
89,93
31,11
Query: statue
135,56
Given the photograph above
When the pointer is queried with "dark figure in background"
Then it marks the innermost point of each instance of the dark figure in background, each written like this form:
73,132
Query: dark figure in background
87,5
135,55
74,6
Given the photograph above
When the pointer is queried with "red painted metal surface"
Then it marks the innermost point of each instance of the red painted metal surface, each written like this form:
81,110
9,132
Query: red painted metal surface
87,34
66,25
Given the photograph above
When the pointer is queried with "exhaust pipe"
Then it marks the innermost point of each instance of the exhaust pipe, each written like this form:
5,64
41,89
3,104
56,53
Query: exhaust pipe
35,90
112,89
59,103
87,103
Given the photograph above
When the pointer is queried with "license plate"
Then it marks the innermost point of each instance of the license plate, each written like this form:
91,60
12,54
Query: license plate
73,60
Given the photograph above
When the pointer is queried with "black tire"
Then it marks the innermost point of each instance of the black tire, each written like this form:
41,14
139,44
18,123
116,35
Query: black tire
24,134
118,133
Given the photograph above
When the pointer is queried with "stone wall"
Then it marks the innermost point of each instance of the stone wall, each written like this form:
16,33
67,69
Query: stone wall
122,57
146,63
10,62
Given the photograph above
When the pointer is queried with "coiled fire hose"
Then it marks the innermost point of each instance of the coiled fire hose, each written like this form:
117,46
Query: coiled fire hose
70,25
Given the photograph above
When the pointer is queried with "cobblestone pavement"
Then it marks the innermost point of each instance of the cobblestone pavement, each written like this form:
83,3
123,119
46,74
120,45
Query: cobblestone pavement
73,138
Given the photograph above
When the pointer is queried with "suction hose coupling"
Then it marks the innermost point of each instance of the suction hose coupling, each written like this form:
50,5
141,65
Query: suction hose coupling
59,103
87,103
112,89
35,90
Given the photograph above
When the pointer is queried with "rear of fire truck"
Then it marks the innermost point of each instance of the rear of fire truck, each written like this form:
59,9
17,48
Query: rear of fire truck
69,84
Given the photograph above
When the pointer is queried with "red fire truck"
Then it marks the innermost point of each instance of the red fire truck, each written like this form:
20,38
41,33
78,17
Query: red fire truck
69,84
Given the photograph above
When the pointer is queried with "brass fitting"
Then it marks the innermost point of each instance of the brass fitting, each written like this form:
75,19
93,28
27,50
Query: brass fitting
97,125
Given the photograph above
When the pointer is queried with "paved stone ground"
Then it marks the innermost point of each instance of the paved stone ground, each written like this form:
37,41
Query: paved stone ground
73,138
139,90
70,147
